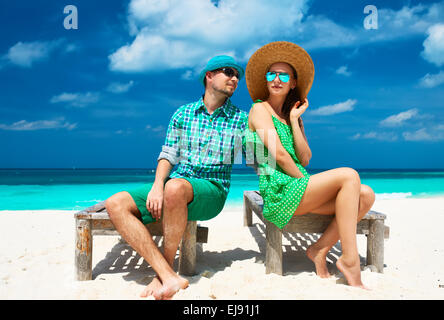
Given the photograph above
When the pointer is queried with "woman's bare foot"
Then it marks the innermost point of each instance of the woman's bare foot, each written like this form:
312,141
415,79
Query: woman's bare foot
351,272
319,258
170,287
154,285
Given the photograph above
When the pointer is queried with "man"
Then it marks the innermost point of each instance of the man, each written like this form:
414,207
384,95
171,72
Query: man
198,188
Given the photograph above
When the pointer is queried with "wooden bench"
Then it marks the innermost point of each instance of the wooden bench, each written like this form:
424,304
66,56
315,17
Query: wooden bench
372,225
95,221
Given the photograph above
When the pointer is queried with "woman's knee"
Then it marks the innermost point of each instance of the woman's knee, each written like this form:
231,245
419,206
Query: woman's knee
350,175
366,199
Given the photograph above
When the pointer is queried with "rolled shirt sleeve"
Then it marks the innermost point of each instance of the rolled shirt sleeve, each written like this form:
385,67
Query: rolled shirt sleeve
169,154
171,148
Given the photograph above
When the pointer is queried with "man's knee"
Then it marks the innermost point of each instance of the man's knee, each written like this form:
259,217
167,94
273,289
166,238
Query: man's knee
177,191
118,204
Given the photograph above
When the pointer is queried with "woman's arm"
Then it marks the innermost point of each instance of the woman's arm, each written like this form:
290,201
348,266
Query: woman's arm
260,121
301,146
300,142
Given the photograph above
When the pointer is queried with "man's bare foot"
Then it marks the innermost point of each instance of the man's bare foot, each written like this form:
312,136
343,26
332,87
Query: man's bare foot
170,287
320,260
149,290
351,272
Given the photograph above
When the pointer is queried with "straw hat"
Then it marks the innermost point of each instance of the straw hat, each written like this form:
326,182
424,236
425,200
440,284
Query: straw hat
279,51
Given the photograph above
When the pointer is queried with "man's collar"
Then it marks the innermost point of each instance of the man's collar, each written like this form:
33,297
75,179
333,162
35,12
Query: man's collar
226,108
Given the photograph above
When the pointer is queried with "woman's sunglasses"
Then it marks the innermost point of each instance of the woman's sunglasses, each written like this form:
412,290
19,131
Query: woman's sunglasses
283,76
229,72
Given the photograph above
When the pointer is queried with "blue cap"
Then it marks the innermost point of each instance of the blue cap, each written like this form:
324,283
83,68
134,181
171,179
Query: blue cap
220,62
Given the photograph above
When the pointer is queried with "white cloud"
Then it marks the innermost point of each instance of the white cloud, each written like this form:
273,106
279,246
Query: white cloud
159,128
153,52
343,71
434,45
125,132
373,135
356,136
185,34
188,75
433,134
158,131
71,47
406,22
399,119
24,54
117,87
321,32
174,34
335,108
432,80
24,125
424,134
76,99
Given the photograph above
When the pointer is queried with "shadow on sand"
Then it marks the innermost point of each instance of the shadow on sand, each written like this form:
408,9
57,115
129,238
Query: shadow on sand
123,259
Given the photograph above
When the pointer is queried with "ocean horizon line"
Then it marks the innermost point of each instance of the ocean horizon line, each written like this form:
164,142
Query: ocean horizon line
242,168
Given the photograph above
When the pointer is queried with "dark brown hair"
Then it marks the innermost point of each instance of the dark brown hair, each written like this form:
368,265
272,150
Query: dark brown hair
292,97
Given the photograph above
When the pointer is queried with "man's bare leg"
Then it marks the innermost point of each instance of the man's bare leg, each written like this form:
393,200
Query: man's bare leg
177,194
124,215
318,251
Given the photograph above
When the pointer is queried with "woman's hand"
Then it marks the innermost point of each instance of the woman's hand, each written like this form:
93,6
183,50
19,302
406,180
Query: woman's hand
154,201
296,112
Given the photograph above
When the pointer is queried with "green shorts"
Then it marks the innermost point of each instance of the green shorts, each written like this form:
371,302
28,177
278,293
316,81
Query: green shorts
208,200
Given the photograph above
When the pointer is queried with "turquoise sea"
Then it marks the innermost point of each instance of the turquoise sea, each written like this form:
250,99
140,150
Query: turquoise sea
75,189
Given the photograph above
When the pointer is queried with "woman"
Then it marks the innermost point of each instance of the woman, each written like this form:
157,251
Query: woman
279,76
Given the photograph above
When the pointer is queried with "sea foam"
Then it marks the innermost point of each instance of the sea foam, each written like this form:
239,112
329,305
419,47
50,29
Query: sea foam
394,195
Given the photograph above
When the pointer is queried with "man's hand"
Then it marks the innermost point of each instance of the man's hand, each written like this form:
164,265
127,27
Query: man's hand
154,201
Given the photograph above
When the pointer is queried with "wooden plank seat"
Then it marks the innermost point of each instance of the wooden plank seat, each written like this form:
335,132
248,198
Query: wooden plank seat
96,221
372,225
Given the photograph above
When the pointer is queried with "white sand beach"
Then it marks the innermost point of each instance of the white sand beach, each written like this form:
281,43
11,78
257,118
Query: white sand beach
37,260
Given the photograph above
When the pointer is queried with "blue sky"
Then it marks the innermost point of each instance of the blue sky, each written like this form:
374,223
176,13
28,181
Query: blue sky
101,95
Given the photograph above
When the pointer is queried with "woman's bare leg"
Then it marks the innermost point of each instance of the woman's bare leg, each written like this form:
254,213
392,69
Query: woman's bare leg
343,185
318,251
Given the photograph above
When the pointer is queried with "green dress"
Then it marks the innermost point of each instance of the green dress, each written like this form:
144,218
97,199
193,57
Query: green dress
281,192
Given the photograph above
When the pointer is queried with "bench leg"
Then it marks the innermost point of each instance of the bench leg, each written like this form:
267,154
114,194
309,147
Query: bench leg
83,250
375,245
187,256
248,217
273,251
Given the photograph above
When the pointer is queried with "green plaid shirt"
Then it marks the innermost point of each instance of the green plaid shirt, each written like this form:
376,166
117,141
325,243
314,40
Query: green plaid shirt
203,145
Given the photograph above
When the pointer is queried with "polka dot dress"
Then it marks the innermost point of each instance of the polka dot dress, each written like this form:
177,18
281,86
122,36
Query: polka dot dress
281,192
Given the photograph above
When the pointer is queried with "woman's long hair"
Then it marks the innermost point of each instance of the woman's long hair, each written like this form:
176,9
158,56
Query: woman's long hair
292,97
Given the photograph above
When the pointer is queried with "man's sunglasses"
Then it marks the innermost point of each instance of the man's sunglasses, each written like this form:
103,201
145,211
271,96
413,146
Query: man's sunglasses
229,72
283,76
